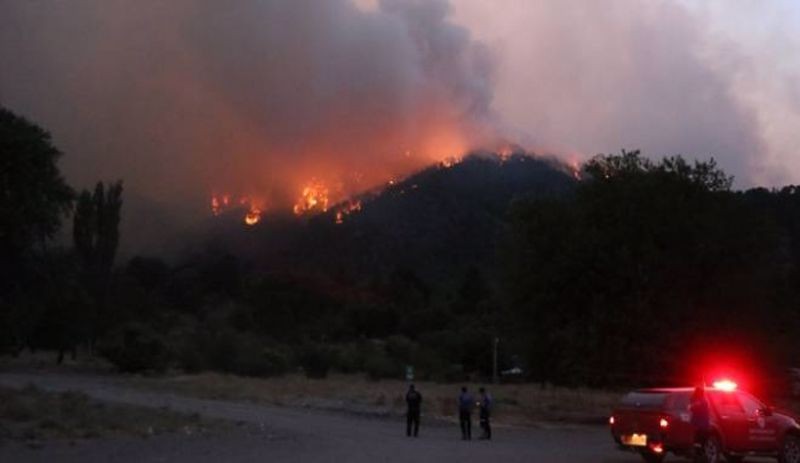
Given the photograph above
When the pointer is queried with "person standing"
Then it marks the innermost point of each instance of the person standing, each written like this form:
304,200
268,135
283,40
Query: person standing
414,405
700,418
485,414
465,413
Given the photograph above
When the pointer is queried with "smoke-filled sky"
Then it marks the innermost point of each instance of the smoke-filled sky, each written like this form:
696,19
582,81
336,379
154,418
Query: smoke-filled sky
184,97
699,77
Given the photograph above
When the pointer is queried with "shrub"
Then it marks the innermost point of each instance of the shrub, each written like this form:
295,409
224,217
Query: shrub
230,351
348,358
190,354
134,347
401,349
379,366
316,360
252,358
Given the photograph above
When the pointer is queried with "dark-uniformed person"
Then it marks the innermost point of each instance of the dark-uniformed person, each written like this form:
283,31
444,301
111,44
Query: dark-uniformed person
414,403
700,418
465,405
485,405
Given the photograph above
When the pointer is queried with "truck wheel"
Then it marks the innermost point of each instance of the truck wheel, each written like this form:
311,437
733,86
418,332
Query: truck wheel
790,450
712,450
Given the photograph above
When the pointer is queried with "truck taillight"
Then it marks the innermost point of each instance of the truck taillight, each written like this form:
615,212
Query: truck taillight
611,420
663,423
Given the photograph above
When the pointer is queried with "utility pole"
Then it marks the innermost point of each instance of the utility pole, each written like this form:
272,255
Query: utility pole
495,375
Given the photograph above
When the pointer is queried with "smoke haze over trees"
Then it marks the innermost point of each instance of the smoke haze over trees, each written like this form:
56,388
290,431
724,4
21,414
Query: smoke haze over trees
568,267
189,97
579,278
186,97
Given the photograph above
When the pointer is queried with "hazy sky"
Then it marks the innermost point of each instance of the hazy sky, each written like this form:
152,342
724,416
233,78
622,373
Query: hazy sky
719,77
184,97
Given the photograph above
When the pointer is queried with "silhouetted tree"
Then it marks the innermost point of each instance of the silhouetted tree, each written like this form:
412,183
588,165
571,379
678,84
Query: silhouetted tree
33,199
96,237
644,259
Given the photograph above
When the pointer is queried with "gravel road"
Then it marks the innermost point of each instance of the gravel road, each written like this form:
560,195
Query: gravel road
278,434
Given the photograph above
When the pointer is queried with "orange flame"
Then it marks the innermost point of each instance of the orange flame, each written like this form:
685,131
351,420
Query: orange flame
450,162
505,152
216,208
253,216
221,203
314,198
348,208
575,169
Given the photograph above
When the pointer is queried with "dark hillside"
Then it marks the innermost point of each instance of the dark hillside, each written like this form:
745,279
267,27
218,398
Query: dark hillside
436,223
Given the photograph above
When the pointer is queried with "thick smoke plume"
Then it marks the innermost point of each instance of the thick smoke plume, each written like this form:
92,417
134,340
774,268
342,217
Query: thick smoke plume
182,97
698,78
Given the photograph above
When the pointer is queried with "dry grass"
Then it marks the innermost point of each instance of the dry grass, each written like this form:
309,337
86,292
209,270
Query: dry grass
515,404
45,361
32,415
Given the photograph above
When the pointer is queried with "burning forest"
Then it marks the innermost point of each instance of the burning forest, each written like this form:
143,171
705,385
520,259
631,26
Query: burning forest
394,189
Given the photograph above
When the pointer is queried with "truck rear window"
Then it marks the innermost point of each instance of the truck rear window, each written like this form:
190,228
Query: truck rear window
678,401
645,400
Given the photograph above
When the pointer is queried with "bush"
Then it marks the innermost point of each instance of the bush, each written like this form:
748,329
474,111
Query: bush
187,346
134,347
349,358
316,360
430,365
379,366
252,358
230,351
401,349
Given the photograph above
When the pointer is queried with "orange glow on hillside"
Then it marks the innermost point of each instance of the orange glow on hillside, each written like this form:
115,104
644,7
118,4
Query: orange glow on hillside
575,168
313,199
252,207
348,208
449,162
253,216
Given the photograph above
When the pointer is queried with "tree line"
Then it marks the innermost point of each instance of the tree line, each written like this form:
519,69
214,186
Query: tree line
52,296
633,274
649,270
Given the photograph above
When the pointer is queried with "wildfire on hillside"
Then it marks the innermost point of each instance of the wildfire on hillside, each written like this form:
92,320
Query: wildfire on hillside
252,208
253,216
575,169
219,203
313,199
505,153
317,196
346,209
449,162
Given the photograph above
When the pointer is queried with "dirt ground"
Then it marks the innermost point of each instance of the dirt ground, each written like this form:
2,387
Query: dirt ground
286,434
270,433
515,404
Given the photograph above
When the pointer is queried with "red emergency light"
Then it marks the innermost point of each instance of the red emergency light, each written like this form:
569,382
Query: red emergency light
725,385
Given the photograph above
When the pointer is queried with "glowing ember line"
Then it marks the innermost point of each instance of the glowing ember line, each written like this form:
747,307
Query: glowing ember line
450,162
